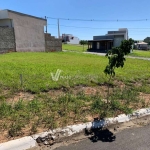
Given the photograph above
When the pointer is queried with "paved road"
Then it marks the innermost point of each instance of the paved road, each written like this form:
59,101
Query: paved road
103,54
129,139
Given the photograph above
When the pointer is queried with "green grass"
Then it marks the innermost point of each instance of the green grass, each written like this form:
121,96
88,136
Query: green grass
77,68
47,112
71,47
140,53
79,48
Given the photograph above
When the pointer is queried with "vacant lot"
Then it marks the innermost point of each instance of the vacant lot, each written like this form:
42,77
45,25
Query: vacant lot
78,48
140,53
33,100
77,69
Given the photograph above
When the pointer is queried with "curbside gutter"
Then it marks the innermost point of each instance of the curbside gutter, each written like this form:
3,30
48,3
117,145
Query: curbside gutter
52,136
19,144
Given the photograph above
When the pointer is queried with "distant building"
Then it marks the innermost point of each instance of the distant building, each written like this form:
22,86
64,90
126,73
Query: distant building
28,31
106,42
142,46
70,39
21,32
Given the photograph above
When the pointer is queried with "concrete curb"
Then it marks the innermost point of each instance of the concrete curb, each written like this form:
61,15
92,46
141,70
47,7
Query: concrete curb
19,144
48,138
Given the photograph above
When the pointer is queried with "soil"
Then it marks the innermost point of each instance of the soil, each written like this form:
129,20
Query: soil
87,90
145,97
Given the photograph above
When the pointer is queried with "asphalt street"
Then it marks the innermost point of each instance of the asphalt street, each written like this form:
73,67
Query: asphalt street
129,139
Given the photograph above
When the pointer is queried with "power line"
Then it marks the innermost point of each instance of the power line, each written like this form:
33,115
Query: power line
95,20
98,28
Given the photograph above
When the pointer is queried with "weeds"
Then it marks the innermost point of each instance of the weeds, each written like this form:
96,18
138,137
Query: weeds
15,129
50,113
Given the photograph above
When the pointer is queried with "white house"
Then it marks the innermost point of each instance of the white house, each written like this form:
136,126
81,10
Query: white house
70,39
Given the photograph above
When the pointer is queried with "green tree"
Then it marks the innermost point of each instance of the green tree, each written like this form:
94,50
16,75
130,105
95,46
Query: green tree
83,42
116,59
147,40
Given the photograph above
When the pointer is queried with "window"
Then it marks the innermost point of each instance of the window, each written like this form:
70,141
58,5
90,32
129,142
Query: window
98,45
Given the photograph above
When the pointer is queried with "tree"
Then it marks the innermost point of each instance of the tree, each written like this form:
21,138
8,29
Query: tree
116,59
147,40
83,42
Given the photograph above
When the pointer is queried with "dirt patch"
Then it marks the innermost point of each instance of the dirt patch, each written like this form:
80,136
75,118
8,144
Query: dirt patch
119,84
21,96
145,97
101,90
26,96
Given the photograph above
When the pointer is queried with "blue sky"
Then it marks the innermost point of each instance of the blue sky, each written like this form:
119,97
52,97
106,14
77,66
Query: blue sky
88,9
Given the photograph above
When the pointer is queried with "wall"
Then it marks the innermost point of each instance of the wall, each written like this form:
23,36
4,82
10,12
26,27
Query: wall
126,33
29,32
3,14
52,44
75,40
70,39
7,39
6,22
103,37
117,40
122,31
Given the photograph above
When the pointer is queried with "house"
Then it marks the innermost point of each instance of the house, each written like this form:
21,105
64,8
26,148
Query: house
142,45
106,42
21,32
70,39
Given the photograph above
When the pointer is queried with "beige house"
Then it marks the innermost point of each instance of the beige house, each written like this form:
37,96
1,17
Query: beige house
142,46
28,31
21,32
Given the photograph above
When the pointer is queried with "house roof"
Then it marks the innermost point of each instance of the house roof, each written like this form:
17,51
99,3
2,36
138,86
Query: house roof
22,14
100,40
142,43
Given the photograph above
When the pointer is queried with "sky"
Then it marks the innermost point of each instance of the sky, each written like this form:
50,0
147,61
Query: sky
103,15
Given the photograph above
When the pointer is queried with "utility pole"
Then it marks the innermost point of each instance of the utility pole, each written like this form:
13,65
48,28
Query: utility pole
46,24
58,30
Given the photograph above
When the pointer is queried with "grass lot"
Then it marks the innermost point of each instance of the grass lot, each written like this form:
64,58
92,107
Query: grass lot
59,103
78,48
77,68
140,53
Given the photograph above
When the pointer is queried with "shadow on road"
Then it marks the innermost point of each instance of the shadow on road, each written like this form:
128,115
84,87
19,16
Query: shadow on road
103,135
100,133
